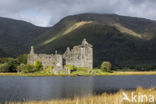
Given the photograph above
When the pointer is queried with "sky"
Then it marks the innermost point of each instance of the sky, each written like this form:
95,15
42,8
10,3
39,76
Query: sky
49,12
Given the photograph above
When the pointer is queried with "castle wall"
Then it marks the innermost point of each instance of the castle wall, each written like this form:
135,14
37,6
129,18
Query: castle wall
79,56
47,60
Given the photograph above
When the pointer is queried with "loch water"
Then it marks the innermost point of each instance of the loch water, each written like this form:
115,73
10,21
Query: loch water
20,88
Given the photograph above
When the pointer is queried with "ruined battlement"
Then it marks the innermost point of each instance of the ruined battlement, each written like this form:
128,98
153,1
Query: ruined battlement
80,56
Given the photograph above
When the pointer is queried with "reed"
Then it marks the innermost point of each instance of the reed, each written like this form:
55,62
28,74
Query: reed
116,98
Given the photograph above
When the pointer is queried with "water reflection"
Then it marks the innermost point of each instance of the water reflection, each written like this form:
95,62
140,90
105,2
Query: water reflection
47,88
44,88
58,87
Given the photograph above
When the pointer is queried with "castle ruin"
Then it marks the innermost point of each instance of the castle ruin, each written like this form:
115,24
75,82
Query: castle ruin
79,56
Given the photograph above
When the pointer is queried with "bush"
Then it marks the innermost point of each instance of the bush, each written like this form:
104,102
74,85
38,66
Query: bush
22,59
71,67
25,68
48,69
4,67
106,66
13,63
3,60
38,65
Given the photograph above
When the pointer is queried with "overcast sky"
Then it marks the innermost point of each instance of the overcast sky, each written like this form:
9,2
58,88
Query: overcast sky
49,12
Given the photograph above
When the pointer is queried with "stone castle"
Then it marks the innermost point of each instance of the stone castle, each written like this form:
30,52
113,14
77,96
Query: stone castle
79,56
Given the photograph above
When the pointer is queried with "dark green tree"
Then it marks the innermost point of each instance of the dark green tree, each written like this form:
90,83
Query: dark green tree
22,59
13,63
106,66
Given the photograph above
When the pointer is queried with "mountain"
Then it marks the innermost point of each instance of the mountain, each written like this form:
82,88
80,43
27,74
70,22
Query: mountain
3,54
122,40
119,39
17,36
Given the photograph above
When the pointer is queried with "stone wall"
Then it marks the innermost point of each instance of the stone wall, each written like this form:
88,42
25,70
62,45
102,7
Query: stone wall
47,60
79,56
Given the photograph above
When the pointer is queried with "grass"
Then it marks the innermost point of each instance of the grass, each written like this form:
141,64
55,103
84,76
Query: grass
105,98
76,73
134,73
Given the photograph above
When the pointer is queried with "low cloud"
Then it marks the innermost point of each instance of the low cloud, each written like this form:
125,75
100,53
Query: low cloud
49,12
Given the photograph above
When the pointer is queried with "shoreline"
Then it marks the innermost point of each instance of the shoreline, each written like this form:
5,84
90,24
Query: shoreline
115,73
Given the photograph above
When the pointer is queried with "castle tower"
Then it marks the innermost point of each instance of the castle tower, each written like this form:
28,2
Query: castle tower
84,42
31,55
80,56
32,50
68,49
67,52
86,54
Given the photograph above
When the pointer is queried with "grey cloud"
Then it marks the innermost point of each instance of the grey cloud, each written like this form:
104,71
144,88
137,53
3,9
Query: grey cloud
49,12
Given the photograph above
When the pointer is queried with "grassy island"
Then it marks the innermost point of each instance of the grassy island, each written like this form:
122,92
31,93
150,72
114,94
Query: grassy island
19,67
102,74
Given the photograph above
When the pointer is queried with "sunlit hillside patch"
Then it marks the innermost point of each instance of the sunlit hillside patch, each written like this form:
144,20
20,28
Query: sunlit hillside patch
123,29
127,31
67,30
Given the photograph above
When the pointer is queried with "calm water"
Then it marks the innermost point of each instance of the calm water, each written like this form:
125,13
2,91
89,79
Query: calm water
46,88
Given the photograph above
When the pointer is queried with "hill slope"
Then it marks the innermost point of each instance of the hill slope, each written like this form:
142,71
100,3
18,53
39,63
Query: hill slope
3,54
17,36
121,40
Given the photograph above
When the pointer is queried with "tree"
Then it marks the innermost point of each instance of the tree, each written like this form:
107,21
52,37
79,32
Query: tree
38,65
4,67
22,59
3,60
13,63
25,68
106,66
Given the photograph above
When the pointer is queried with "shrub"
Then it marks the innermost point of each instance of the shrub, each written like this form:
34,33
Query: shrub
38,65
22,59
3,60
25,68
13,63
106,66
4,67
48,69
71,67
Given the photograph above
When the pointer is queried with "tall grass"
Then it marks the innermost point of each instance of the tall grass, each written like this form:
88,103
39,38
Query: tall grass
105,98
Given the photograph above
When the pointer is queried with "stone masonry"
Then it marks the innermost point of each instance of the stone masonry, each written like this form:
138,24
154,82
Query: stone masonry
79,56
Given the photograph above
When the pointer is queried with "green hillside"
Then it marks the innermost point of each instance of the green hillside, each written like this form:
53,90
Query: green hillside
3,54
17,36
122,40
